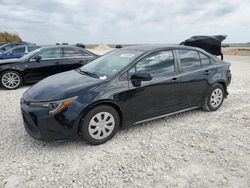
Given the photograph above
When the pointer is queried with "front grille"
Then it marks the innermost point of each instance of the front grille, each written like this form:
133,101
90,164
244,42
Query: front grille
30,126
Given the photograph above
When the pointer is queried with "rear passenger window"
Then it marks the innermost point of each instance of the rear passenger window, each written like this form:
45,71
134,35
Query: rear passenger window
205,60
73,52
157,63
189,59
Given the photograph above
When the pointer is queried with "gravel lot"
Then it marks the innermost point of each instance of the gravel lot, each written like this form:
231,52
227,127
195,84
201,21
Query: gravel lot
193,149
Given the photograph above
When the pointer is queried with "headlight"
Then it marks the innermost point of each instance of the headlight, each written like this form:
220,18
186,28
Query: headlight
55,106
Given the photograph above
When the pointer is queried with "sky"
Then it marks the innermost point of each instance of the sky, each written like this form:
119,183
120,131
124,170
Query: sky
124,21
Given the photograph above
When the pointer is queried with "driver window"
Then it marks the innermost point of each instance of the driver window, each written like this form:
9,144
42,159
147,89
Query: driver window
18,50
52,53
157,63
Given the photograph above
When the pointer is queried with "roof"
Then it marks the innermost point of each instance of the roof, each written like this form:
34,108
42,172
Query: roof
157,47
68,46
60,46
24,45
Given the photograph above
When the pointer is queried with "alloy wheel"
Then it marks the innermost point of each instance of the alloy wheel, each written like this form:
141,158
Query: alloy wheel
11,80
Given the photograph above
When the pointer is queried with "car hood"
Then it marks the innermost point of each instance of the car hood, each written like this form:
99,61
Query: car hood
9,61
61,86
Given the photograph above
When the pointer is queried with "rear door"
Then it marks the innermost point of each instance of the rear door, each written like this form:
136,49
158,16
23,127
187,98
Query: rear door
74,58
193,78
48,65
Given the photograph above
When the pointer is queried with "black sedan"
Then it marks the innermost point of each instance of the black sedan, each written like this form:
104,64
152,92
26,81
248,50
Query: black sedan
127,86
42,63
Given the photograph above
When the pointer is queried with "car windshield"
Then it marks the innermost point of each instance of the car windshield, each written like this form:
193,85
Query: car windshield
111,63
29,55
10,50
6,46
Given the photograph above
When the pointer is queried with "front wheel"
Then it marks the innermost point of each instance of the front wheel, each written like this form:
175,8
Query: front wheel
99,125
214,98
11,79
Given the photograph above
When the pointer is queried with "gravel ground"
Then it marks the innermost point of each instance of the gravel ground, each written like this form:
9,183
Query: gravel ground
193,149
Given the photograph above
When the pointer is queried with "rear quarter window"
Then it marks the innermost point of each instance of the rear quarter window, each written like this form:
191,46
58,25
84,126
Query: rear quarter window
205,60
73,52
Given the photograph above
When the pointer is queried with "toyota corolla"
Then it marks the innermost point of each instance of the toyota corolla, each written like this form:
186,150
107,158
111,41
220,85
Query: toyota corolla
122,88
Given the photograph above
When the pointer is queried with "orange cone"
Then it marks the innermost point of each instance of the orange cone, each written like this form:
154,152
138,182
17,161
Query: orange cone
236,52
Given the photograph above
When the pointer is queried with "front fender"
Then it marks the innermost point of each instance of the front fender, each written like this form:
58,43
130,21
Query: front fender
11,67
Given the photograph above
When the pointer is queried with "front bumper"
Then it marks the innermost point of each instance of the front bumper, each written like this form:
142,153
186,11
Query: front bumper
41,126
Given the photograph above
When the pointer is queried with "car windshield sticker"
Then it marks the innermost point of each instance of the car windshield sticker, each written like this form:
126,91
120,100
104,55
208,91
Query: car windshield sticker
103,77
127,55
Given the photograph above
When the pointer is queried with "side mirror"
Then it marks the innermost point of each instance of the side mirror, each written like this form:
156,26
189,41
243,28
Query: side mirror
142,76
3,49
38,58
137,78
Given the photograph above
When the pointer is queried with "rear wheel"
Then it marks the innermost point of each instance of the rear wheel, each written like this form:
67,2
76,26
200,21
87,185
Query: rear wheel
99,125
11,79
214,98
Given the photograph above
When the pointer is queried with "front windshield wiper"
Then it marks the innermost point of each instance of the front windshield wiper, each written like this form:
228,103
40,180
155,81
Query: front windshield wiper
89,74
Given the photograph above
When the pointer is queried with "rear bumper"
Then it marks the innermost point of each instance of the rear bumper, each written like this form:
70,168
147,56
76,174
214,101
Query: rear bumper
229,78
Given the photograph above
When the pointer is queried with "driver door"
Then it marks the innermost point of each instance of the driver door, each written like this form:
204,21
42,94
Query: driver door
159,95
48,64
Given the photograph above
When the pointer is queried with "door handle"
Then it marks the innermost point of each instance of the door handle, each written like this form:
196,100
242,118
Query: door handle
207,72
57,63
174,79
82,62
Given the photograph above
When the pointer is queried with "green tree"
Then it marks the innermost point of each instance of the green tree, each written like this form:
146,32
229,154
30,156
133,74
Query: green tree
9,37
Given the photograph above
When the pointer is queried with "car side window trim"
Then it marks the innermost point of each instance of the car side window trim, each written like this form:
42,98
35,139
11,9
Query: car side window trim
177,62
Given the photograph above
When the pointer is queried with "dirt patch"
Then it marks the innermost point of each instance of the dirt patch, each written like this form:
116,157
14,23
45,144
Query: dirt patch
236,51
101,49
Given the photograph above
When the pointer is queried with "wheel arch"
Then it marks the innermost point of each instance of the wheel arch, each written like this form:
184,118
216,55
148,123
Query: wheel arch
102,102
223,83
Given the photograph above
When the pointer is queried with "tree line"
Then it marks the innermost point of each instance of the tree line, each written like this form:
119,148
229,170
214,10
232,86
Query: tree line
9,37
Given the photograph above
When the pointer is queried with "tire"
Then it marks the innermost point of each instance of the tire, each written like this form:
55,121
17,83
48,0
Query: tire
214,98
96,133
11,80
